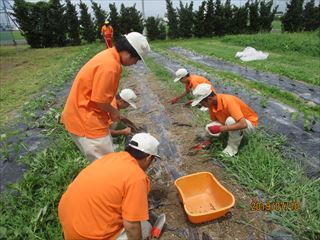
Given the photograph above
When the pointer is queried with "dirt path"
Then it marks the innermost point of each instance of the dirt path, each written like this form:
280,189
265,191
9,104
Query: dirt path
276,117
159,117
305,91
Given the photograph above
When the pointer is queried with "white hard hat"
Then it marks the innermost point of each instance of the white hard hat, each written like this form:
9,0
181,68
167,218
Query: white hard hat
139,43
215,123
145,143
182,72
201,91
129,96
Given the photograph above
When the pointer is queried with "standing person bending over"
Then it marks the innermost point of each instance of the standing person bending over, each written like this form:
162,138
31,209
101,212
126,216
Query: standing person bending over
109,198
190,81
88,108
107,33
229,113
122,100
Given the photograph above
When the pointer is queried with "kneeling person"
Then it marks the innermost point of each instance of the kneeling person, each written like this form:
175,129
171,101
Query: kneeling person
109,198
228,113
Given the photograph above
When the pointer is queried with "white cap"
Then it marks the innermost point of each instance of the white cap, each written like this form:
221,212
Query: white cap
201,91
146,143
129,96
139,43
182,72
212,124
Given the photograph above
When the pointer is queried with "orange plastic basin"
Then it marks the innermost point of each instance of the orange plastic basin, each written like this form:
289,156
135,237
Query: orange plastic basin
203,197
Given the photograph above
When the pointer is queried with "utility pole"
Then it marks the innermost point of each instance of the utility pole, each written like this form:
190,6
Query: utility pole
144,32
7,24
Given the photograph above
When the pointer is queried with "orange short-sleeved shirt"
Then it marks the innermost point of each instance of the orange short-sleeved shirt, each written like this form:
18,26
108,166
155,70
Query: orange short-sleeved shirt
97,81
107,31
195,80
109,190
229,105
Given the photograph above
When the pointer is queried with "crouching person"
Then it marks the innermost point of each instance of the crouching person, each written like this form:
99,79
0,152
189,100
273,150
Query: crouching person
109,198
123,100
228,113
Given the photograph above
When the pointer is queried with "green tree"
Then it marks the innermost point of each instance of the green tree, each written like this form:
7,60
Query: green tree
239,20
266,15
254,20
72,24
292,20
227,13
162,30
199,21
32,19
172,16
86,24
56,24
152,26
130,19
185,14
209,19
114,19
311,16
100,17
219,22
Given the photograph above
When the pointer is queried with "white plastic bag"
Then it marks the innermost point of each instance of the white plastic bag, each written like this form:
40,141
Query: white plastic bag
251,54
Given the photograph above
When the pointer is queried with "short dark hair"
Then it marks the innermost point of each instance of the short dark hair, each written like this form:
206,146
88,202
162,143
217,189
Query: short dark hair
123,45
212,94
137,154
187,75
118,96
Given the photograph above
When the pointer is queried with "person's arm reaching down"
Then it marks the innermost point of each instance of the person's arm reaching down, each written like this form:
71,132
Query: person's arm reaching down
107,107
133,230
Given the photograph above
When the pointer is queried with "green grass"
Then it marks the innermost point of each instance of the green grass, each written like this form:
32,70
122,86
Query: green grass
34,199
290,56
25,72
276,25
263,89
261,166
8,35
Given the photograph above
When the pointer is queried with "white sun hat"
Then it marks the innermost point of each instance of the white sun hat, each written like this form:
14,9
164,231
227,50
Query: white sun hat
180,73
146,143
129,96
201,91
139,43
215,123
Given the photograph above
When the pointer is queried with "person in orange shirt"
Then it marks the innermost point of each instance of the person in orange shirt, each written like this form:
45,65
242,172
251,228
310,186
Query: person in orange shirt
107,33
88,107
191,81
122,100
228,113
109,198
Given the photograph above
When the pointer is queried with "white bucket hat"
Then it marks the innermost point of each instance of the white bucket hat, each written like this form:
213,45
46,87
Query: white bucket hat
180,73
201,91
139,43
129,96
146,143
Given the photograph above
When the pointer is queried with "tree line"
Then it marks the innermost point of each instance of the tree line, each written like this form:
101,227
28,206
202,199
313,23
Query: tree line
49,24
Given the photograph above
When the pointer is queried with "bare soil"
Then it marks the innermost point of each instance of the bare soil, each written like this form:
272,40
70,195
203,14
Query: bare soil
160,117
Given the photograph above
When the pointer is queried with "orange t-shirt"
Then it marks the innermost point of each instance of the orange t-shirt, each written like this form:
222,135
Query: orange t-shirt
97,81
109,190
229,105
195,80
107,31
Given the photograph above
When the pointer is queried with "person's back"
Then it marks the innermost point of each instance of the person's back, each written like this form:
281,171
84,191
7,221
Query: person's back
109,190
230,105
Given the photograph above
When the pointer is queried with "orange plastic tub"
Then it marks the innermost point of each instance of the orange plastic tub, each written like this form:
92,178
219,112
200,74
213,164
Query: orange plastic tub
203,197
